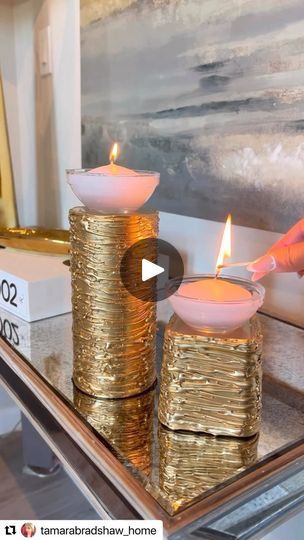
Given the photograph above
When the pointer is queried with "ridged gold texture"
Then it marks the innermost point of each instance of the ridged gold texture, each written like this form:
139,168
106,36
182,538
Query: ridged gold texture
113,332
126,423
191,464
209,383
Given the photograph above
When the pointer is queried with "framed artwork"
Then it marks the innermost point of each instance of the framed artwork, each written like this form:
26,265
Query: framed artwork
210,93
8,212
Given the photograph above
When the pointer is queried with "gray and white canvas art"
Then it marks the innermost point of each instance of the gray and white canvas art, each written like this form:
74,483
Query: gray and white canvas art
210,93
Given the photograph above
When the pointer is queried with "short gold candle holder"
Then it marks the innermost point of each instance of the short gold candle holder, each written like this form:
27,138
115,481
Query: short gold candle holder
113,331
126,423
211,383
191,464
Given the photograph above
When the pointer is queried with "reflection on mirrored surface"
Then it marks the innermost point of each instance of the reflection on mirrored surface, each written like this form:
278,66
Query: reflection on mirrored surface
127,423
152,454
191,463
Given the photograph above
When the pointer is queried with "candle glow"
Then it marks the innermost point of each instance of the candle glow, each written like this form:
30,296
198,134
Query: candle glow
225,249
113,153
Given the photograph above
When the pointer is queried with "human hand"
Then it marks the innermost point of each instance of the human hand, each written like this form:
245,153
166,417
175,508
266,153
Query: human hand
286,255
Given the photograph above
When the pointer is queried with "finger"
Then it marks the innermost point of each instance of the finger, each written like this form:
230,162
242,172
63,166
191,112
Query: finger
295,234
300,274
258,275
289,258
264,264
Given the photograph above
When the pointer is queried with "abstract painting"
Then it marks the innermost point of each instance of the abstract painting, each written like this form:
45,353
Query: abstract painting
210,93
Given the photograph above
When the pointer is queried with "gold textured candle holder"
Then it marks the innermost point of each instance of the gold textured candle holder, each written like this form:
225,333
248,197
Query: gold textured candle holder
191,464
126,423
211,383
113,332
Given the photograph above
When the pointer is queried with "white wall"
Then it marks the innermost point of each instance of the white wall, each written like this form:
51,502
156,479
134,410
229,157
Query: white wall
65,27
45,122
57,111
43,112
26,179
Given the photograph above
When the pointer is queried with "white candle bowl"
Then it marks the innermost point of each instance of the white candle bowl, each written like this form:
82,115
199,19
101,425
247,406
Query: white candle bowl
112,193
217,316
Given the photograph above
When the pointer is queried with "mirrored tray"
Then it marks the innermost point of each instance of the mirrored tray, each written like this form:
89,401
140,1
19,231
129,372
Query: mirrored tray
176,468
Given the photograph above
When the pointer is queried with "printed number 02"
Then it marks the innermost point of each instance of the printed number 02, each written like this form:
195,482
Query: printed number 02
9,292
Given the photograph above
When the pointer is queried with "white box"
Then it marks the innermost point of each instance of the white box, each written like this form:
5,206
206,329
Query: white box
34,286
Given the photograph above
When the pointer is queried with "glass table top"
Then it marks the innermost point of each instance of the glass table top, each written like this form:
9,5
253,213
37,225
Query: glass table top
176,468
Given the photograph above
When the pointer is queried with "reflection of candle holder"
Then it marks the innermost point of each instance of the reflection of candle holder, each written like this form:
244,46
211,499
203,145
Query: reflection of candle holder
191,464
218,316
126,423
113,332
211,383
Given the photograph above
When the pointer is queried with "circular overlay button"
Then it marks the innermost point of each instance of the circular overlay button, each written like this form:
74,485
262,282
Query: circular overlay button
146,268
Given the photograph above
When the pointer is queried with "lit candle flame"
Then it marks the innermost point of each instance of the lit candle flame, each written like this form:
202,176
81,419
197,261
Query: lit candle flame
113,153
225,249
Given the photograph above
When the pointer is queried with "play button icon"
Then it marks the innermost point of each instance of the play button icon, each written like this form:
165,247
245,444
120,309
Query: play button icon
148,266
150,270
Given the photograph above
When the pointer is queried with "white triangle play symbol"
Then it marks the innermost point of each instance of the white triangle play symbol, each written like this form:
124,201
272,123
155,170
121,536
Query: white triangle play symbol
150,270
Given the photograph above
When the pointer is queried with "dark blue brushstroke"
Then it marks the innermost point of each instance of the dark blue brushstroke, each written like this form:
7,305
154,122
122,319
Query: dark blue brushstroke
296,125
214,82
202,68
238,105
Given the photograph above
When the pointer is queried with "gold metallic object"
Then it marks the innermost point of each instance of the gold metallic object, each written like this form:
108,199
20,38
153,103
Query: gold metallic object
8,210
190,464
113,332
211,383
126,423
56,241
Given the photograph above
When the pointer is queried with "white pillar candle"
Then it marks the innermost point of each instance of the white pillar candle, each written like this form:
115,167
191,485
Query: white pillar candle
214,290
112,188
217,304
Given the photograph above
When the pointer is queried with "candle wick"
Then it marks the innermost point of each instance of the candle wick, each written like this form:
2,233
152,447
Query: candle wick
217,272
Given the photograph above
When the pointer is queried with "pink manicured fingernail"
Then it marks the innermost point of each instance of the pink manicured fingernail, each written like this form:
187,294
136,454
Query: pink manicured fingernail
267,263
258,275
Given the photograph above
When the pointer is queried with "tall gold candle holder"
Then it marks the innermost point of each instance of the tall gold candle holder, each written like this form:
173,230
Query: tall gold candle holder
211,383
126,423
191,464
113,332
